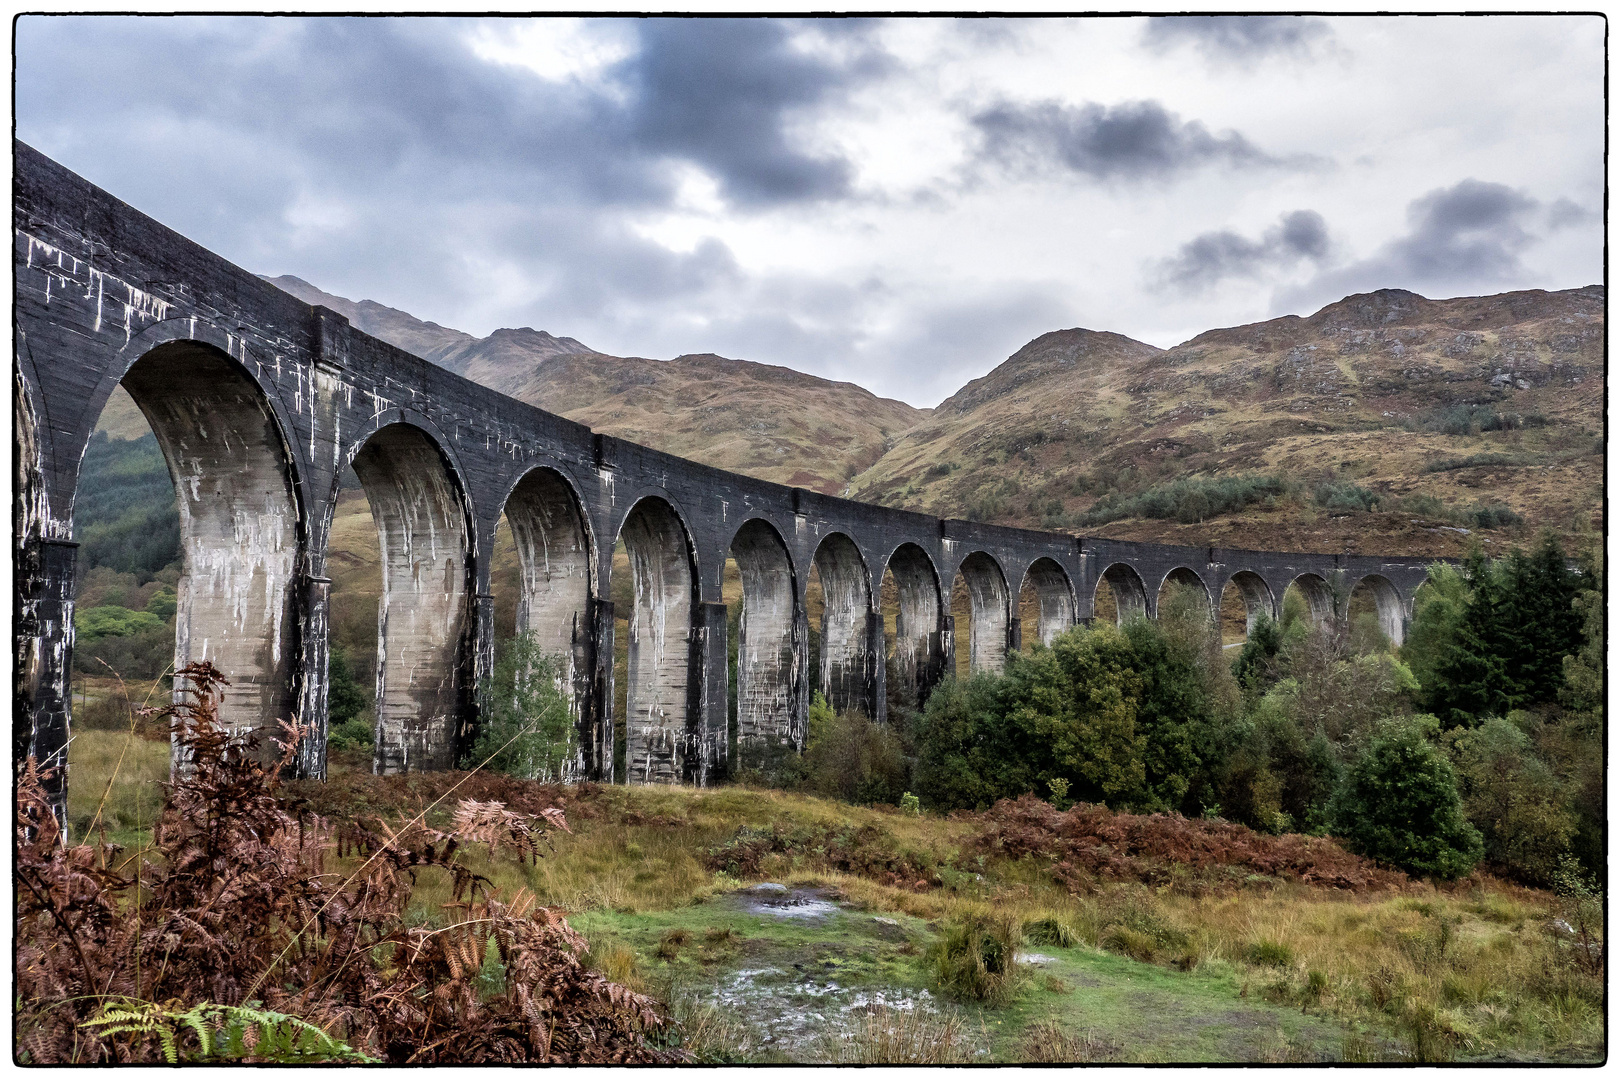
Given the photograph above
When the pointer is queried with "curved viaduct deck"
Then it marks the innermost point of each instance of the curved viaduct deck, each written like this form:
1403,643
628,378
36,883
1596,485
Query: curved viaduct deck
258,401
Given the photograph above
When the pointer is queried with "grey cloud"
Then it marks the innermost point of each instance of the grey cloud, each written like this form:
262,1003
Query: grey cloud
1564,213
1462,239
1212,257
404,101
717,92
426,177
1130,141
1237,37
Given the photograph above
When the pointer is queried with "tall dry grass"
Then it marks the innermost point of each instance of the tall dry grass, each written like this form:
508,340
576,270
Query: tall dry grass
118,773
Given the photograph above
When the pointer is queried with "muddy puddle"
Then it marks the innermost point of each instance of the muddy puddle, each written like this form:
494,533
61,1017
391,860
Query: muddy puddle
798,1008
781,902
789,1010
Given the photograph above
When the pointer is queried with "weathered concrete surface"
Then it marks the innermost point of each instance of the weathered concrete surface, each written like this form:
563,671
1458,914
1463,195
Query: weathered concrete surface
656,744
767,674
422,619
846,638
260,400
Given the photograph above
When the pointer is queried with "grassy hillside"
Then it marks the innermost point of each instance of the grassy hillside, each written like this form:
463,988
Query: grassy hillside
766,421
1436,406
1394,424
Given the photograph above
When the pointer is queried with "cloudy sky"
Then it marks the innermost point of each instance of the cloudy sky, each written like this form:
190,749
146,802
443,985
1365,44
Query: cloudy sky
898,203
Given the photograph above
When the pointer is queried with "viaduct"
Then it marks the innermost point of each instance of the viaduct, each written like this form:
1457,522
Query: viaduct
259,401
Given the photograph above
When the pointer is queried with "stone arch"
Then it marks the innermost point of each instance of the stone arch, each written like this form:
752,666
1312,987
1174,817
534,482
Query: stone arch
846,625
556,575
1186,576
424,647
768,699
1389,604
1130,595
659,746
1318,595
918,652
991,612
1056,596
242,528
1257,597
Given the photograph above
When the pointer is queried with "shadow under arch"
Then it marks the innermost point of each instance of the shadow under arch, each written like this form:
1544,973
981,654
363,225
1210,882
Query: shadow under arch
661,741
424,625
847,654
1130,595
556,580
919,655
770,711
1187,578
1257,598
1056,596
1318,596
1389,605
990,612
242,527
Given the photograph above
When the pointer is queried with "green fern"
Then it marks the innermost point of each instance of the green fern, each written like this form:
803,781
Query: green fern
228,1032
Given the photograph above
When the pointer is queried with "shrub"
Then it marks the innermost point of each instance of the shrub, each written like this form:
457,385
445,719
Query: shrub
345,700
1266,953
1189,499
353,734
1051,931
1399,804
976,960
851,758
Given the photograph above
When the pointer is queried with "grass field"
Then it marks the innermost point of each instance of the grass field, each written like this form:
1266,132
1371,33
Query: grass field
662,883
1260,970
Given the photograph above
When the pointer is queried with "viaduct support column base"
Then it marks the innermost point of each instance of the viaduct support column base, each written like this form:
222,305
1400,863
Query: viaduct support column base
43,618
707,685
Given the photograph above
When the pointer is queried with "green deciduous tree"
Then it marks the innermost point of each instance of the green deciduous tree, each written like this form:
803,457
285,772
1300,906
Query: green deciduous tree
1512,797
527,726
1399,804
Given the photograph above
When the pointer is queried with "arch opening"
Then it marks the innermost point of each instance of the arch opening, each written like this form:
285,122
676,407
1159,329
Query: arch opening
1046,602
1245,597
847,657
989,613
1376,605
768,693
911,626
541,584
658,747
1187,579
228,550
1128,593
1316,595
424,648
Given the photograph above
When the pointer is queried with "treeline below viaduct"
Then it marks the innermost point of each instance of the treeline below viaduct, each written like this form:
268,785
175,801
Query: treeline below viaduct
260,403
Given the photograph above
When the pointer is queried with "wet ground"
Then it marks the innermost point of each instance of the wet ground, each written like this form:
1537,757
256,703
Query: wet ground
796,967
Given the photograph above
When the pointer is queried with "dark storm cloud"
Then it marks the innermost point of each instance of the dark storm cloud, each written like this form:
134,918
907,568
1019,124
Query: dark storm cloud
1463,239
1212,257
717,92
379,98
1135,140
384,157
1237,37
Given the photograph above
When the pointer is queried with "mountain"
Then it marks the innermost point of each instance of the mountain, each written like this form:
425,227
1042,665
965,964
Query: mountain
771,422
1434,410
1394,424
